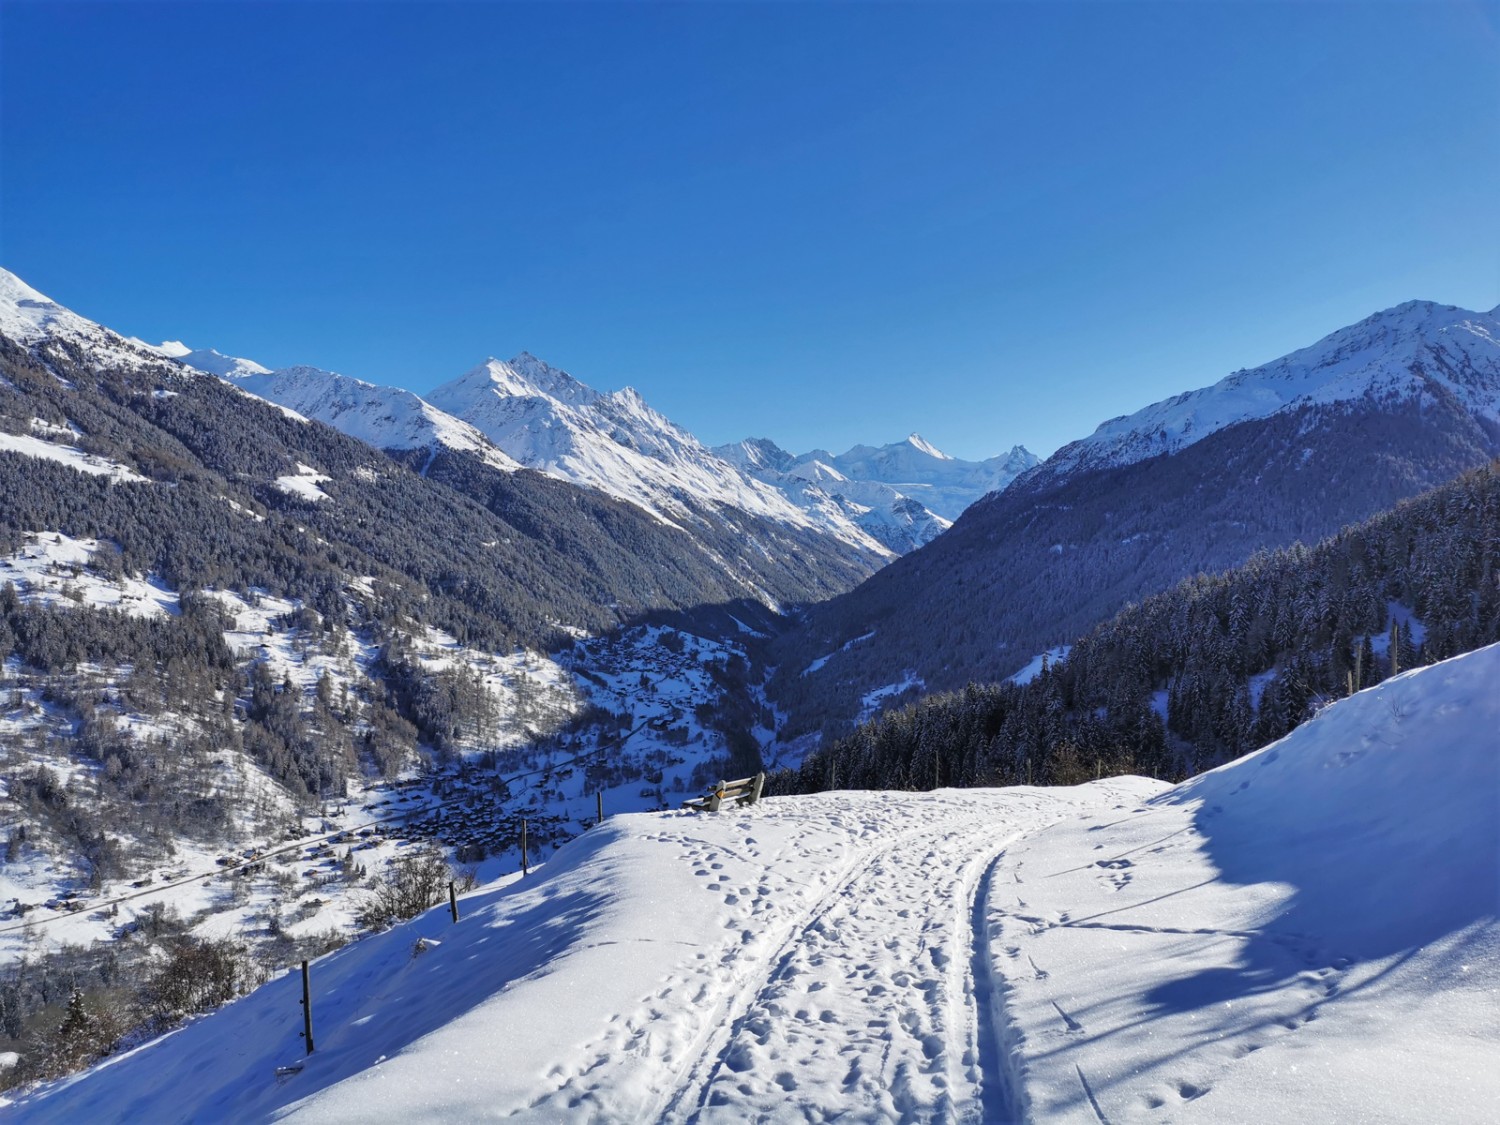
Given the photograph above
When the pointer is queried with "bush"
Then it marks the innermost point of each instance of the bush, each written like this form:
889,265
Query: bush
411,884
199,975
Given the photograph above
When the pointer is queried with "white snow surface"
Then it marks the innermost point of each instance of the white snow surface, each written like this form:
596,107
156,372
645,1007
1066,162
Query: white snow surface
385,417
1033,667
54,569
1405,352
28,316
206,359
1307,934
549,421
69,455
304,483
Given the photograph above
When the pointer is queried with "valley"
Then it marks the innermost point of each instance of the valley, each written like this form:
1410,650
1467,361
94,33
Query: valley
272,642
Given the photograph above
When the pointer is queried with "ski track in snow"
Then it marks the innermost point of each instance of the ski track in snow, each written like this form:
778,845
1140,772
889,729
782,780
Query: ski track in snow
859,992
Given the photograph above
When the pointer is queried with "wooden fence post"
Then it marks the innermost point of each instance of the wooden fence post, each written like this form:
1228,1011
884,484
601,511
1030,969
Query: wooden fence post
307,1008
524,871
599,806
452,900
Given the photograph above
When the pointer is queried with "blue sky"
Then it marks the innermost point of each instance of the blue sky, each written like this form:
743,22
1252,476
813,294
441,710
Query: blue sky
824,224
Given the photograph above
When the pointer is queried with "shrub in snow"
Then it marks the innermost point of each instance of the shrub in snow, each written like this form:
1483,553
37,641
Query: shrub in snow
411,884
199,975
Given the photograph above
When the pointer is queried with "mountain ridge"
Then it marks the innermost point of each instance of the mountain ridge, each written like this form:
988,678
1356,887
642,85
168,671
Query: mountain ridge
1400,402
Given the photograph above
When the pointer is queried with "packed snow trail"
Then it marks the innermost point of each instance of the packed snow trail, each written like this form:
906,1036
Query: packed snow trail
890,947
843,976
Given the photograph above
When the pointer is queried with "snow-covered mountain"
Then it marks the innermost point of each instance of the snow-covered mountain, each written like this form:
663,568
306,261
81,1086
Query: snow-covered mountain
28,317
914,467
1411,352
549,421
385,417
1306,934
904,494
892,517
526,413
1329,435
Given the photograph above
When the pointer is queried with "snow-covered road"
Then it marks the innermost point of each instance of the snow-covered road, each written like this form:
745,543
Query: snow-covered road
1309,934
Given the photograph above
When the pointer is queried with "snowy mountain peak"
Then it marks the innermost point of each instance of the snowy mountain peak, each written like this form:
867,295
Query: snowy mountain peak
211,360
946,485
13,290
916,442
616,443
755,454
31,318
525,376
28,315
385,417
1404,353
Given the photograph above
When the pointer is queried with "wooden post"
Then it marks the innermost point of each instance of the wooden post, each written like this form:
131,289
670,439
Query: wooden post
307,1008
524,872
1395,648
599,806
452,900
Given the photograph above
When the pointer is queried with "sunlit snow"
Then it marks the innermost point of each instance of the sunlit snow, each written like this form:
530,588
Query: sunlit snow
1307,934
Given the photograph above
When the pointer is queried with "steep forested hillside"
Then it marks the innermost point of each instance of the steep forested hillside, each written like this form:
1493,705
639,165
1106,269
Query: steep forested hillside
1211,669
120,470
1032,566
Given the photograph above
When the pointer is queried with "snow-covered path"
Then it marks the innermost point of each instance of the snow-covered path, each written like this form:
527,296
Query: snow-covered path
843,973
871,998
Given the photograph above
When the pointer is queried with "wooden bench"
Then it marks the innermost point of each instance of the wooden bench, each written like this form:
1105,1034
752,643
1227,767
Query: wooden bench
745,791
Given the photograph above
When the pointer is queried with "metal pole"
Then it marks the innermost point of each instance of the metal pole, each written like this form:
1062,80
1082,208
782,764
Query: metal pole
599,805
524,871
452,900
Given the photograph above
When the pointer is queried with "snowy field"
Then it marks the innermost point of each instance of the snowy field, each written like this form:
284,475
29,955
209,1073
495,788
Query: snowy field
1308,934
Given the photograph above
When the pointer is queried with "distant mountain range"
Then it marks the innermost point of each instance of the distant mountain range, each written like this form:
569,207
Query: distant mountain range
881,502
904,494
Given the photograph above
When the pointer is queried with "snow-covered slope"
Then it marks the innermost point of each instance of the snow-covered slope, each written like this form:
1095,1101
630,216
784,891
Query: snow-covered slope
385,417
1309,934
888,515
1414,349
29,318
205,359
548,420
